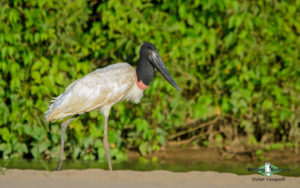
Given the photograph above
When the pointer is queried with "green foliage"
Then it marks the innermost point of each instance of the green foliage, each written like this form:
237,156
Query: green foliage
239,56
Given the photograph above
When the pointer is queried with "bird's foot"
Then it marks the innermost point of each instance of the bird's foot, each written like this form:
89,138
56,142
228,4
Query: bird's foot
57,169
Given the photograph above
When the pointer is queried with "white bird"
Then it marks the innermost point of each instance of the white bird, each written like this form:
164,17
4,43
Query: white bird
105,87
268,168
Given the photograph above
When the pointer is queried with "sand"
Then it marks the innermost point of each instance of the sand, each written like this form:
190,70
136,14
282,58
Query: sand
130,179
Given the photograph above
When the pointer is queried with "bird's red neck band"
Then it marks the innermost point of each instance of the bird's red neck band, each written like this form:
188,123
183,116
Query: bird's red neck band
140,84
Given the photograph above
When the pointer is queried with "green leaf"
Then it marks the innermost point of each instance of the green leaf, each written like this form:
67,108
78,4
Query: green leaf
5,134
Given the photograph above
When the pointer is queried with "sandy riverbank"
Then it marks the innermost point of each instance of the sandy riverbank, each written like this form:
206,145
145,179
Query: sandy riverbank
130,179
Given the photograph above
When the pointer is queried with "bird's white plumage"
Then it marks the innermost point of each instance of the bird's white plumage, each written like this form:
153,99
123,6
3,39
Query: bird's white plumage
103,87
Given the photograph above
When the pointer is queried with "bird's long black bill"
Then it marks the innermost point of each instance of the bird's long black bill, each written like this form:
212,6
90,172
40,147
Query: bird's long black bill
159,64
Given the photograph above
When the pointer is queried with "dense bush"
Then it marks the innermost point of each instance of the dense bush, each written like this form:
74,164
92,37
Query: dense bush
234,60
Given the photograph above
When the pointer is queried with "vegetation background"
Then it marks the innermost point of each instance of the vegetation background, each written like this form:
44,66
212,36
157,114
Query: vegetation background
237,63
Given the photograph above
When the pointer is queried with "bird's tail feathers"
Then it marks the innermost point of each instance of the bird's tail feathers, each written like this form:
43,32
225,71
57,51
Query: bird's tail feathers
52,105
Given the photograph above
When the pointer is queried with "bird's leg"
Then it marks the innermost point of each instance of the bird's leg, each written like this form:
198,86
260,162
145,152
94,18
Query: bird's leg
64,125
105,112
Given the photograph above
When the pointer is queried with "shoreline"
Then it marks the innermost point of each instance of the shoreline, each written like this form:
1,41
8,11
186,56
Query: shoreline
129,178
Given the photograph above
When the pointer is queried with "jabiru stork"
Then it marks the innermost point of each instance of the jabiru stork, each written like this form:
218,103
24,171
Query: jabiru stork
105,87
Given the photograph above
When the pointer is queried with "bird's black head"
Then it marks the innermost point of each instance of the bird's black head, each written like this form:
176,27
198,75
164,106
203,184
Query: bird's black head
149,60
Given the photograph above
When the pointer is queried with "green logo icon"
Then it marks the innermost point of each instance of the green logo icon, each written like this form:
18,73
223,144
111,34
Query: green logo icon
268,169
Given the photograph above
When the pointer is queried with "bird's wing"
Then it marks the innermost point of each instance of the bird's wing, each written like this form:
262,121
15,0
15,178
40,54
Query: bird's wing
102,87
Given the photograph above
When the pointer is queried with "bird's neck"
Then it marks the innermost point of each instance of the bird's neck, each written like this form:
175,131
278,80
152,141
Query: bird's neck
141,84
145,73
